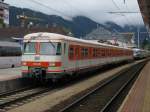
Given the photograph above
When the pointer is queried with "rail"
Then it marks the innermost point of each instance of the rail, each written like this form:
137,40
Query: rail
106,93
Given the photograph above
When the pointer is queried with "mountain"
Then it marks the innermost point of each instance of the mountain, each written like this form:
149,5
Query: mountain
79,26
113,27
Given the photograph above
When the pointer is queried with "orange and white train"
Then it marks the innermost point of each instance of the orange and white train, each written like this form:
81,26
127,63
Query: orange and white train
53,56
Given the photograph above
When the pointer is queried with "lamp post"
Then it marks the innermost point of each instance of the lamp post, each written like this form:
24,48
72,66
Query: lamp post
138,31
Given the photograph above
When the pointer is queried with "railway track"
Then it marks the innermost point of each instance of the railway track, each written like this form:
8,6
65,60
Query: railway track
25,95
3,94
19,97
104,97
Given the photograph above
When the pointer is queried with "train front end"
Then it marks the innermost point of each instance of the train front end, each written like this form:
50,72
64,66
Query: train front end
42,58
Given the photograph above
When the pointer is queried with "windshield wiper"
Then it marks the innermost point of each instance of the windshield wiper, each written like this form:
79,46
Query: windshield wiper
52,44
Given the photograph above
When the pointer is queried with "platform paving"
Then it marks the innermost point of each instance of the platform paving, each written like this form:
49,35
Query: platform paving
10,73
138,99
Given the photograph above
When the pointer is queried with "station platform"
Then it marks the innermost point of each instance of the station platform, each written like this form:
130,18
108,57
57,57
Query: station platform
10,73
138,99
11,79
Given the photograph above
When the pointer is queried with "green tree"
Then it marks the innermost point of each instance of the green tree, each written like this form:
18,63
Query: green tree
146,44
2,25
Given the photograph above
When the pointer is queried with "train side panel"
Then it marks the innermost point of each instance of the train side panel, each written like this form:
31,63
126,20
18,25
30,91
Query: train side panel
77,63
75,55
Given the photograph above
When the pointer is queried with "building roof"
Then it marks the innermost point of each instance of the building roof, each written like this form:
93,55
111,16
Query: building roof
4,5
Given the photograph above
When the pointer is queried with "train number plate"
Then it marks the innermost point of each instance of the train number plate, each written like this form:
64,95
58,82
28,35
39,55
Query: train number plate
36,58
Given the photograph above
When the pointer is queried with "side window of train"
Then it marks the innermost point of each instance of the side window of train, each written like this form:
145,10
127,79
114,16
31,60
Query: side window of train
94,52
6,51
86,52
71,52
82,52
0,51
102,52
59,49
64,48
3,51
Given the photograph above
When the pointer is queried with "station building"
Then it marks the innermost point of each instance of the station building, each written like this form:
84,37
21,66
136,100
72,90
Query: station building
103,35
4,14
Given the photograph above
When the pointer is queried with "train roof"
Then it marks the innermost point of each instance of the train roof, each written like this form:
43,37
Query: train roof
137,49
54,36
9,44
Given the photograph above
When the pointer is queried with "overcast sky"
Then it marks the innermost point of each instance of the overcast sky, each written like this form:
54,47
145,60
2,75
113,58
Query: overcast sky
96,10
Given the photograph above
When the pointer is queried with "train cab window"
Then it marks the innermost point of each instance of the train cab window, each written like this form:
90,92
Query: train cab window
29,48
52,48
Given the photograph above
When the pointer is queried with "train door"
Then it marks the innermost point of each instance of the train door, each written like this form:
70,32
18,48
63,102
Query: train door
65,56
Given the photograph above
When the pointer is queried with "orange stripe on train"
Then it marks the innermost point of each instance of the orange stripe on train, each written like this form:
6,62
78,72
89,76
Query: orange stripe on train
42,64
48,71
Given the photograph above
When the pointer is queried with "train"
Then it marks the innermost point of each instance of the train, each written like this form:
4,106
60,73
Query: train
10,54
50,56
140,53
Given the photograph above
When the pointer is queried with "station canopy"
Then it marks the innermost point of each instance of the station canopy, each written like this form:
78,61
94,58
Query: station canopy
145,10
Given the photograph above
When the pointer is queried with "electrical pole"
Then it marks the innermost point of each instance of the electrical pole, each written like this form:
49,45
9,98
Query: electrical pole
138,30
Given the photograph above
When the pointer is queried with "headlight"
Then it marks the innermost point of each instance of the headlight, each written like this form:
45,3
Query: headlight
24,63
55,64
52,64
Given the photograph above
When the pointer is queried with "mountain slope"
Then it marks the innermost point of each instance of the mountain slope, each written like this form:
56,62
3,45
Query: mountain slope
79,26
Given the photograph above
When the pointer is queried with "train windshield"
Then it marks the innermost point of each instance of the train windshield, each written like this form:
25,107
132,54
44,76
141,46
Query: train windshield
51,48
29,48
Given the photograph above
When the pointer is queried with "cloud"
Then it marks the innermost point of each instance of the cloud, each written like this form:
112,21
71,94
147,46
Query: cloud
96,10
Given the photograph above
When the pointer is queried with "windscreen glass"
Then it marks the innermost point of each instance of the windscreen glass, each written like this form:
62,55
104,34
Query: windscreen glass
50,48
29,48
